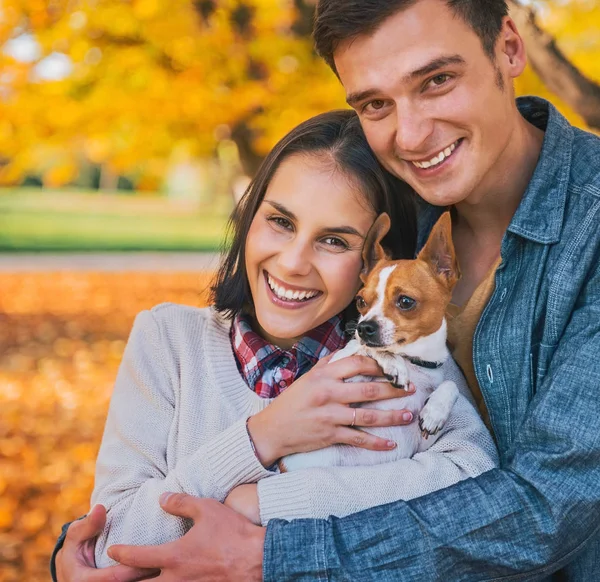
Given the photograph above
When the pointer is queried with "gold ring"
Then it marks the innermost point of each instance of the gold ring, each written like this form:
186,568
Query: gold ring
353,418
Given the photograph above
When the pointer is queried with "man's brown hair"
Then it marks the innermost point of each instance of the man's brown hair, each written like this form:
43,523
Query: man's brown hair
339,20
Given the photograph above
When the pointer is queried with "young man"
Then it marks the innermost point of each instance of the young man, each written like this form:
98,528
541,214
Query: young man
432,83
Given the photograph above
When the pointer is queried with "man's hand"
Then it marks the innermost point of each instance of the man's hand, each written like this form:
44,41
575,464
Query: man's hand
75,561
221,546
244,500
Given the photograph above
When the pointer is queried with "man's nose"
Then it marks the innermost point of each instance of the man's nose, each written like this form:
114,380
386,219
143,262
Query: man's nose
413,128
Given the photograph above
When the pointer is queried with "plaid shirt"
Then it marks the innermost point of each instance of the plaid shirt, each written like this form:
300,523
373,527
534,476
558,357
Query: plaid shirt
268,369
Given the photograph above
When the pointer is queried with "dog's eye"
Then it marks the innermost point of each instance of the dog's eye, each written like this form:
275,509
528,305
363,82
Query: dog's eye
405,303
360,302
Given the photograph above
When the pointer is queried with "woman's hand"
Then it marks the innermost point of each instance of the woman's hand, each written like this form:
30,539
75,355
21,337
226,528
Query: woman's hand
314,412
244,500
75,561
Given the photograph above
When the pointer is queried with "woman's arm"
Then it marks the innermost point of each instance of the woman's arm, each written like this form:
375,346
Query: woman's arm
464,449
132,470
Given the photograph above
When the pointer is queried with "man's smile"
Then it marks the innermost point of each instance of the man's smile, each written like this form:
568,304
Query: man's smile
437,158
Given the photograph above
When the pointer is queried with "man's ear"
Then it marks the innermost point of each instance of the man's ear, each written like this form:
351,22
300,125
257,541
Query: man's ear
439,253
372,249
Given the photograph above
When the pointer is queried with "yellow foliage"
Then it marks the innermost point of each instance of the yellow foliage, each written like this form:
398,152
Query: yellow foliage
576,26
61,339
149,74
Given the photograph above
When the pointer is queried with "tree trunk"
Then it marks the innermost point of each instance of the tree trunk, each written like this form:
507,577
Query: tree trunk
555,70
243,137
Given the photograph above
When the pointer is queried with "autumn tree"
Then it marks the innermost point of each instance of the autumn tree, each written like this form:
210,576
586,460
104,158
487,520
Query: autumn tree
149,77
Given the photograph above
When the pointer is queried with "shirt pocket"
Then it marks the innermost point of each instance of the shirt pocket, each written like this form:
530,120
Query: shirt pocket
540,357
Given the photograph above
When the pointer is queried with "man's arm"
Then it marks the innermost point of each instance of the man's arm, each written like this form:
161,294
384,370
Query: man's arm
73,556
520,522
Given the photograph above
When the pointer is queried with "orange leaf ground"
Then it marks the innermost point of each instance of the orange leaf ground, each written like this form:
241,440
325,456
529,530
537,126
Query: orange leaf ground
61,340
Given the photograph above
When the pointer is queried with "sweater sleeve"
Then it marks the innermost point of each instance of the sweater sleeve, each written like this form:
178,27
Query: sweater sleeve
464,449
132,469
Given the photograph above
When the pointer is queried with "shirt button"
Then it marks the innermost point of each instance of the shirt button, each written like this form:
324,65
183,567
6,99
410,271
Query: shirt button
283,384
490,374
503,294
285,361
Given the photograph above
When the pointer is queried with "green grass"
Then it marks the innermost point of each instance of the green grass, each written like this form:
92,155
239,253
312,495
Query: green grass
34,220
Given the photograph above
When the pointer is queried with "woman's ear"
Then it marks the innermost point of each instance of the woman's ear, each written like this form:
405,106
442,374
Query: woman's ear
372,250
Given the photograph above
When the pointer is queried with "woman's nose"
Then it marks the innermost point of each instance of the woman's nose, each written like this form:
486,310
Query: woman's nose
295,257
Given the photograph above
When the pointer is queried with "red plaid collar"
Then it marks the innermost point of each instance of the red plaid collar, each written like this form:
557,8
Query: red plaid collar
268,369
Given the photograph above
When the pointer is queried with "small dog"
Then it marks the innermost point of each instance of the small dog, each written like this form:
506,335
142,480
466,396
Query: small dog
402,326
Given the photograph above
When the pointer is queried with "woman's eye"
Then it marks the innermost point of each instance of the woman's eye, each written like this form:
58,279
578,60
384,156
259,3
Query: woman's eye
281,221
405,303
334,241
360,302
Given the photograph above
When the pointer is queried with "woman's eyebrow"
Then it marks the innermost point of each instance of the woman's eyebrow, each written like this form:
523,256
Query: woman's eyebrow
342,230
281,208
329,229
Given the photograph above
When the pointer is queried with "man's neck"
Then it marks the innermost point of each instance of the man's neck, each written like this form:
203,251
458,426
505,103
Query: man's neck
481,221
487,213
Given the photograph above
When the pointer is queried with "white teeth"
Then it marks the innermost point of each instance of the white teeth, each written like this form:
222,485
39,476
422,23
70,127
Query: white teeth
288,294
437,159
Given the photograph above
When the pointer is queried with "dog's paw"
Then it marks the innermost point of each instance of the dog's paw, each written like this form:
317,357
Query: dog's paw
396,374
432,418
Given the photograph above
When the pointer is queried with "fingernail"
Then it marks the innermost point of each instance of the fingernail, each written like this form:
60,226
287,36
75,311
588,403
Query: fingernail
164,498
411,388
407,416
391,445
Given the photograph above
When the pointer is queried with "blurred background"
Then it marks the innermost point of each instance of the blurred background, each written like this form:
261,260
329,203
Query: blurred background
128,129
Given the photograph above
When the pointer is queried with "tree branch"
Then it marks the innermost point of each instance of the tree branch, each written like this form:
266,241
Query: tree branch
554,69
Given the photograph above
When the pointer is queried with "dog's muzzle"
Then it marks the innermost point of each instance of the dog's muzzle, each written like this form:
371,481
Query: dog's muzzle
369,332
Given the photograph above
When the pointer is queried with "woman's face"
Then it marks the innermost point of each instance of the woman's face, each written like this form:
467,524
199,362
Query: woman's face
303,251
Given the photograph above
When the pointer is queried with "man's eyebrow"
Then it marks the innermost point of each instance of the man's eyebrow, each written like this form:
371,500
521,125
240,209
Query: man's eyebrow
353,98
327,229
434,65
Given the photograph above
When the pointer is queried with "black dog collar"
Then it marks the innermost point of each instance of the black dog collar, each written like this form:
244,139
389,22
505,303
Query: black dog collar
424,363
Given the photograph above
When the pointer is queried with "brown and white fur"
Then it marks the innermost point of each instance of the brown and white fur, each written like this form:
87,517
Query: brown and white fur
402,326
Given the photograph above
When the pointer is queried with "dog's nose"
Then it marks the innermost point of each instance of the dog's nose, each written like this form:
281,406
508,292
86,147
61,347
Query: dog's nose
368,330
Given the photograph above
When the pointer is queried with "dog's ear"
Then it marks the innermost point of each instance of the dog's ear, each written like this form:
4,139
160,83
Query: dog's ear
439,251
372,249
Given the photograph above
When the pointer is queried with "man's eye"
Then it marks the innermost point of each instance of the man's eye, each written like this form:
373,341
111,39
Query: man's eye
405,303
439,80
374,105
360,302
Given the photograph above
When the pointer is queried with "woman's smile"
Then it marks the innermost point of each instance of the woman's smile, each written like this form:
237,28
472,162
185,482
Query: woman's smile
289,296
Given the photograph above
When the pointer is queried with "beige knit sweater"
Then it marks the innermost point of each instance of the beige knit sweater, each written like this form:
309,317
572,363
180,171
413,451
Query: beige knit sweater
177,423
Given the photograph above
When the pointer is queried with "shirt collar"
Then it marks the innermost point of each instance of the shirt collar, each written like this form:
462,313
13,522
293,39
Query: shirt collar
254,355
539,216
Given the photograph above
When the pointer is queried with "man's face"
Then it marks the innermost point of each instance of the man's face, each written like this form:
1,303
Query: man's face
431,102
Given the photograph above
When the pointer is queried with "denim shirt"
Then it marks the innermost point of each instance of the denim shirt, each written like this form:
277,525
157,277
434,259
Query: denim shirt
537,358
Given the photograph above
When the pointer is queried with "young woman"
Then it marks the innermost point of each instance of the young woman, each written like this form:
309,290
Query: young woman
192,409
